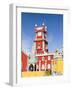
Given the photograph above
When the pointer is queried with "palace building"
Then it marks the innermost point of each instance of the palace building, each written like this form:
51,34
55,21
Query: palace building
41,49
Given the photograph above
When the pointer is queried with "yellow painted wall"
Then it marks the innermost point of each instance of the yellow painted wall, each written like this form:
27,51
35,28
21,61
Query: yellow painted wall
58,66
34,73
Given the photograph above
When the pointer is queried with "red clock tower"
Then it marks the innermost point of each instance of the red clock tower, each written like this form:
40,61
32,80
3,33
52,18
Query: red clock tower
41,42
41,49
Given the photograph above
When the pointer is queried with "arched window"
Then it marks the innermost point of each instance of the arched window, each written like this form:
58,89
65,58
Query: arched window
31,67
48,66
43,58
43,66
49,57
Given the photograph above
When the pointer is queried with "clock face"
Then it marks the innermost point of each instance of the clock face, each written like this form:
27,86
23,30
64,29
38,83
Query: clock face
39,33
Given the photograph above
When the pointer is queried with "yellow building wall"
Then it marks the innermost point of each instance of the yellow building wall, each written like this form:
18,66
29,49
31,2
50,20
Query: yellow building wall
58,66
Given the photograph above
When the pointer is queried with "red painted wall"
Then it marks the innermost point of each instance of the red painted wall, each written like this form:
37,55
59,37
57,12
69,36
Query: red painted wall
39,43
45,59
24,59
39,37
39,51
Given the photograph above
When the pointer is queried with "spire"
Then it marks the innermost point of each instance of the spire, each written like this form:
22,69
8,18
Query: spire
43,24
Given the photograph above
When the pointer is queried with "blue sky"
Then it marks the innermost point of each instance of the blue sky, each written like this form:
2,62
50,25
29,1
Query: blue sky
54,23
